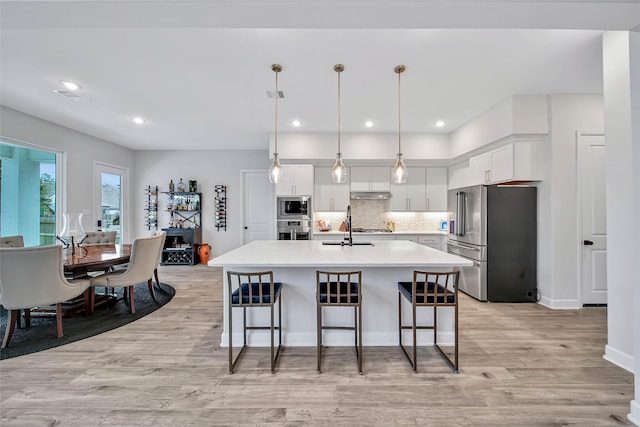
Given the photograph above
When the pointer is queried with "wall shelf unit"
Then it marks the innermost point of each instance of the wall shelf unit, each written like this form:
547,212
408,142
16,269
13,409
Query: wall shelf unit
184,209
151,207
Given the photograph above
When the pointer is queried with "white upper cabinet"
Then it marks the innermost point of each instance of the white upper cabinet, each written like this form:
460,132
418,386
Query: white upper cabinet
297,180
410,196
459,175
327,195
425,190
436,189
370,178
515,161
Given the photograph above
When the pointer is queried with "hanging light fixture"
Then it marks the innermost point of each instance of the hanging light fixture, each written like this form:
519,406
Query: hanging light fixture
275,171
339,170
399,170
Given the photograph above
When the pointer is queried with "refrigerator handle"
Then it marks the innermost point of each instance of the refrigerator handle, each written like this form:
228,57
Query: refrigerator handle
461,214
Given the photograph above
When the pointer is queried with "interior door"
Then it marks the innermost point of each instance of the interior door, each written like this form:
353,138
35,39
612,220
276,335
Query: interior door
258,207
591,169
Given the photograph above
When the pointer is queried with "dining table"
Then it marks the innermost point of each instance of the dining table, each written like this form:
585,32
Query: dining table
82,263
95,258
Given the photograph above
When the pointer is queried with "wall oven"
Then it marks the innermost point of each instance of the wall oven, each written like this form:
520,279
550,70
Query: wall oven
294,230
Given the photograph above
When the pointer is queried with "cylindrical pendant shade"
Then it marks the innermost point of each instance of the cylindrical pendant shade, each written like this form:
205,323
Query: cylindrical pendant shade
275,171
399,172
339,172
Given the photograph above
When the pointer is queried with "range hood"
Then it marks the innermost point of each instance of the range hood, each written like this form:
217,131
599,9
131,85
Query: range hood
370,195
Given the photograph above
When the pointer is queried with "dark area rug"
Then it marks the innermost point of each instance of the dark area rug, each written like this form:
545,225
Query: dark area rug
43,332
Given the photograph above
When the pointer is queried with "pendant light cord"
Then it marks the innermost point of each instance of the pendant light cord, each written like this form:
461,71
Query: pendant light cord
399,71
276,119
339,68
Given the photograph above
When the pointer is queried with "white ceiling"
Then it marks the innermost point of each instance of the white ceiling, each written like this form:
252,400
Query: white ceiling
198,71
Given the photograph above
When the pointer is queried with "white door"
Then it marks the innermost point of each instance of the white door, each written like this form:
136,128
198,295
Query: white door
258,211
111,200
591,169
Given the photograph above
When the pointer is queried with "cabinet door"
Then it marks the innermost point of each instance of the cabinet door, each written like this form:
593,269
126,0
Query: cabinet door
416,184
399,197
285,186
360,178
322,189
303,180
436,189
501,164
380,178
459,175
341,197
479,167
433,241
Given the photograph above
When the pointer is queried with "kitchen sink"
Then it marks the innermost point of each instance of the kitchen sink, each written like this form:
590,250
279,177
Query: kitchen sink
336,243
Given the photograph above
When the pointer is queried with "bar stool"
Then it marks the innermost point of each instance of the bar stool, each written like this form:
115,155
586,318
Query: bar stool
435,290
347,294
254,290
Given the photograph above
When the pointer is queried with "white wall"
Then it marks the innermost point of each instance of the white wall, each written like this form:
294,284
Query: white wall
560,245
524,114
209,168
622,221
81,152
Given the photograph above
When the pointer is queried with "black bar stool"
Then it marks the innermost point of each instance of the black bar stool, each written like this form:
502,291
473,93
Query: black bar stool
340,289
254,290
435,290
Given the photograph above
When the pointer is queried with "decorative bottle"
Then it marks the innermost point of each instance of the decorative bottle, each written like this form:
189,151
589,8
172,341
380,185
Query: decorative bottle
171,187
181,186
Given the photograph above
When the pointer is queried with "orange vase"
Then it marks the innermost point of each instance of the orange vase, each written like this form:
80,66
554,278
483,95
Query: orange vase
204,250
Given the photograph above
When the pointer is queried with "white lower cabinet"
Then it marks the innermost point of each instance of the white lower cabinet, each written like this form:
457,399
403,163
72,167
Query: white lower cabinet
435,241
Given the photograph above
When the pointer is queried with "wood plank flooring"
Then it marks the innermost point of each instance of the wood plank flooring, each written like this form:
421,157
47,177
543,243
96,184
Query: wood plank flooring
521,364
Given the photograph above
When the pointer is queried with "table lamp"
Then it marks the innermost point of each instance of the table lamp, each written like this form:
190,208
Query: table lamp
72,233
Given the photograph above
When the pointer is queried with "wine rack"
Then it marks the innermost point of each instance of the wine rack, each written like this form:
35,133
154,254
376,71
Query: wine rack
151,207
221,207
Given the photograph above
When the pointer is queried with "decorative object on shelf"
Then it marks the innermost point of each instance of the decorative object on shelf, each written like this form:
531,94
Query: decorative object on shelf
171,187
181,187
151,207
221,207
275,171
204,251
72,233
399,170
193,186
339,170
184,209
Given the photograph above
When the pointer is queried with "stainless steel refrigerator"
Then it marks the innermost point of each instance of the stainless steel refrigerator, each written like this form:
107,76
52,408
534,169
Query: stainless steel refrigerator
496,228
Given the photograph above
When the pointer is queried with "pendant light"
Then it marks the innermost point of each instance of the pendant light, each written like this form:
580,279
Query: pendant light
339,170
399,170
275,171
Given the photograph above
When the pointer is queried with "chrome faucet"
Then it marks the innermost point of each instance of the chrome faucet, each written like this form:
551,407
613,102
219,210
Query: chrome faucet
349,225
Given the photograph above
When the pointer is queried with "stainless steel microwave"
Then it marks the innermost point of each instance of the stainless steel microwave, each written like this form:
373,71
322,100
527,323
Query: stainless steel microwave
294,207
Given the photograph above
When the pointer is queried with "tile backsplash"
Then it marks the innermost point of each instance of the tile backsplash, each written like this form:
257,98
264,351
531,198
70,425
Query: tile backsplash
375,214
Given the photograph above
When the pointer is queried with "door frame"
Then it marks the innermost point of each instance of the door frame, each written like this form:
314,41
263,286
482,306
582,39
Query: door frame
580,284
126,225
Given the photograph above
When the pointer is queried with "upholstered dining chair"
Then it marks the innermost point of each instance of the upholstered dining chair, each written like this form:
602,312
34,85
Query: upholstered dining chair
11,242
143,262
99,238
160,248
31,277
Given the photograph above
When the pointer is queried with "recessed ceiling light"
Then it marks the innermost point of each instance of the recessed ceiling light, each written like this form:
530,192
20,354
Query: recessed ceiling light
440,123
139,120
368,123
296,123
69,85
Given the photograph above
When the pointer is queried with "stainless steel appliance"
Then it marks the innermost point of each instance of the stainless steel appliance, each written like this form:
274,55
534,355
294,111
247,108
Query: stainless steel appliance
299,229
496,228
294,207
294,217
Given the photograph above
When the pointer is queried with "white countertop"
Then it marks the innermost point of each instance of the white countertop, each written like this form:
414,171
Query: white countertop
312,253
384,233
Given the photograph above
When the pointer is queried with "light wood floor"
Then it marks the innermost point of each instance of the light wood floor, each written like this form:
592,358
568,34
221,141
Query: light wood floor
521,365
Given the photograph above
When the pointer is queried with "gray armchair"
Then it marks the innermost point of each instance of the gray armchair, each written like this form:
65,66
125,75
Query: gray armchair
31,277
143,262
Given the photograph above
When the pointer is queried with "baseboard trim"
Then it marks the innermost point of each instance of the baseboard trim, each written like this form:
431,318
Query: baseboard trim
560,304
618,358
634,415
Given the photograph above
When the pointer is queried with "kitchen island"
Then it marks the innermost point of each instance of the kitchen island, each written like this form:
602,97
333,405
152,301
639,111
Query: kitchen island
294,263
